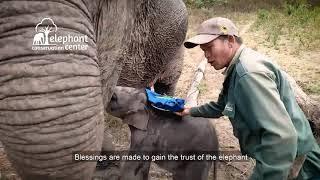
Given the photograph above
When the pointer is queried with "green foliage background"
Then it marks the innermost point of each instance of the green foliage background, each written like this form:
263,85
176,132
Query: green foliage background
295,21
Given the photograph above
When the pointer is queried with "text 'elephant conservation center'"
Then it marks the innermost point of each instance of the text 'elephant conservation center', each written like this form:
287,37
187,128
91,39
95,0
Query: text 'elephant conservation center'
47,38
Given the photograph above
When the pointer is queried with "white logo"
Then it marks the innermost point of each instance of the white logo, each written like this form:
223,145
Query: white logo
46,38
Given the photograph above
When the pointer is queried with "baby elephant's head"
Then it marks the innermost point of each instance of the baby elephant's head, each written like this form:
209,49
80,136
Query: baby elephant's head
129,104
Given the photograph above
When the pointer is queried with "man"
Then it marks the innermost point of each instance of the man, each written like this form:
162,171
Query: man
259,102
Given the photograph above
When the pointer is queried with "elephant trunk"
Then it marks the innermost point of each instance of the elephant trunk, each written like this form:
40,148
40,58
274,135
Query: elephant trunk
51,101
51,110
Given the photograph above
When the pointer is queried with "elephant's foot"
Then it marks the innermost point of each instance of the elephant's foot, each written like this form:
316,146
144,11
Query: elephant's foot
107,170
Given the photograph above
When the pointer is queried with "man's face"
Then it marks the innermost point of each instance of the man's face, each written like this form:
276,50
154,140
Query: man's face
218,53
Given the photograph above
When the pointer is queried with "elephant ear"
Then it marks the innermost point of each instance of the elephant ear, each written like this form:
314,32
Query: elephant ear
139,119
138,116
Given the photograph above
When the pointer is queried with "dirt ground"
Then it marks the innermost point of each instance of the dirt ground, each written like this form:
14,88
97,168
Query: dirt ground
285,55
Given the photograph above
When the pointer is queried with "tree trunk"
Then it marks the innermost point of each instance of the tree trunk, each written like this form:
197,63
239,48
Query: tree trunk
310,107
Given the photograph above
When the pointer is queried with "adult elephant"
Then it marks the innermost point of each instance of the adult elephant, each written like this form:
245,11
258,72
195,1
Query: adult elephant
52,101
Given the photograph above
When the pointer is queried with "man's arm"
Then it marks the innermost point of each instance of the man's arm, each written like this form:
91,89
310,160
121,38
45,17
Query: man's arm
259,103
209,110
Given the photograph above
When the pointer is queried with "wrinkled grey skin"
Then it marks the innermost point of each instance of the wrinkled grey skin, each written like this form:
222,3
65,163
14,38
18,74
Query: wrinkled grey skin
156,57
165,131
52,103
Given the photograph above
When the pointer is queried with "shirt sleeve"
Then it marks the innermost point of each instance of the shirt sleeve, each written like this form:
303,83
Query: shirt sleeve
258,102
209,110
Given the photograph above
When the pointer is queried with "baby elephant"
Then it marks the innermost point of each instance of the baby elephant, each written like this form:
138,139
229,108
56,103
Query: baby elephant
159,132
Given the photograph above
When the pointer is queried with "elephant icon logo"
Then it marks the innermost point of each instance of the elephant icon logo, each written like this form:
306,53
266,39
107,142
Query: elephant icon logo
43,29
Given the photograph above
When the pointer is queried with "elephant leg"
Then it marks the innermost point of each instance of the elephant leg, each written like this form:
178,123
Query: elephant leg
135,170
167,83
159,31
108,170
193,170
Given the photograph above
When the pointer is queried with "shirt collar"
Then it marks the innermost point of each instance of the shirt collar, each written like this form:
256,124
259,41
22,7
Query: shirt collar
226,72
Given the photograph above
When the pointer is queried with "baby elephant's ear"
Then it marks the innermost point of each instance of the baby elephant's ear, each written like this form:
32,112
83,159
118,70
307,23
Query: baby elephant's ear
138,116
138,119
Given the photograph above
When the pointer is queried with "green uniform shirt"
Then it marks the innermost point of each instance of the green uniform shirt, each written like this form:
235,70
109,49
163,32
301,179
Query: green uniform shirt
265,116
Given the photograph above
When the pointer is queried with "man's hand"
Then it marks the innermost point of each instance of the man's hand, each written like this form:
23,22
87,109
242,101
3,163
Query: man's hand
186,111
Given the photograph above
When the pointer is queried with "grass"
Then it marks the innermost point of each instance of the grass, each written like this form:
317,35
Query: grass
202,87
312,87
117,128
291,19
298,27
293,32
235,5
298,23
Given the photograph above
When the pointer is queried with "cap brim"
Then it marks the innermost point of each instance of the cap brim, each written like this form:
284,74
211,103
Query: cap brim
199,39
